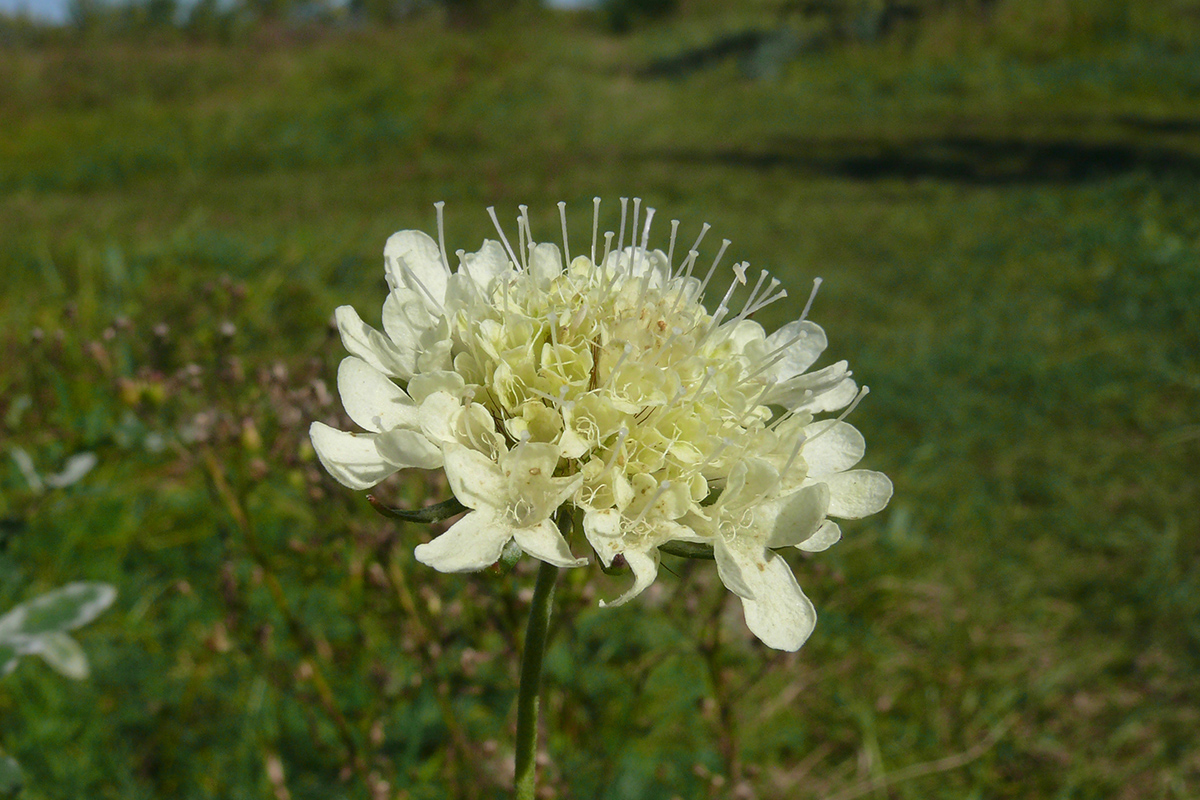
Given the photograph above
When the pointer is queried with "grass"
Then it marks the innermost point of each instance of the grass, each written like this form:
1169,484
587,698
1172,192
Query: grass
1005,221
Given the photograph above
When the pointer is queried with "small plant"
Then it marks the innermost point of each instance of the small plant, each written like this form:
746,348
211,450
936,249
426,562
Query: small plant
39,627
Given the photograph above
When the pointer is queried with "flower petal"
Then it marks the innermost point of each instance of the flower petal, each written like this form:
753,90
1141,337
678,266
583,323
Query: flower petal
730,566
832,446
473,543
404,448
804,340
800,514
475,479
422,340
369,344
545,263
644,565
371,400
352,459
413,259
436,415
603,532
780,615
486,265
546,542
825,537
529,469
857,493
826,389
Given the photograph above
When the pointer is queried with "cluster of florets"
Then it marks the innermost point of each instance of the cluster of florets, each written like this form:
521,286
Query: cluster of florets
603,383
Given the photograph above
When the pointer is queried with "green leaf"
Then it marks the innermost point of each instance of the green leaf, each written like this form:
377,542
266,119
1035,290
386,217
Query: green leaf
61,610
64,655
434,513
11,777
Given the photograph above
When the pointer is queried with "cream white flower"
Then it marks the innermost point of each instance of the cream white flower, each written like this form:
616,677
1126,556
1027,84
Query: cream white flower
511,499
603,381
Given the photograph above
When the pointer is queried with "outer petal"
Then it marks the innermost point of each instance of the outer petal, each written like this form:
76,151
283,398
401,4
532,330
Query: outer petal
371,400
475,479
644,565
544,541
413,259
352,459
804,340
814,391
800,515
473,543
545,262
427,383
731,563
436,415
403,449
488,264
421,340
832,446
825,537
369,344
858,493
780,615
603,531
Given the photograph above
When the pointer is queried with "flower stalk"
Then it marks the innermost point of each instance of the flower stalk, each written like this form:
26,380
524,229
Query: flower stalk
536,632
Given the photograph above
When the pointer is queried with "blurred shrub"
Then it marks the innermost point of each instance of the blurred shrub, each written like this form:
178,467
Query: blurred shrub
622,15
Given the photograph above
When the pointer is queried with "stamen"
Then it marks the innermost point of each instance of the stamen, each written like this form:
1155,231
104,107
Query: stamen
412,273
695,251
725,442
439,205
608,237
637,204
762,276
704,284
800,440
811,297
671,248
768,298
622,434
504,239
528,244
863,392
595,225
662,488
621,360
621,237
562,215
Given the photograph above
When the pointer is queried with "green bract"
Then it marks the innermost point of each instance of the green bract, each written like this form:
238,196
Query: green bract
603,381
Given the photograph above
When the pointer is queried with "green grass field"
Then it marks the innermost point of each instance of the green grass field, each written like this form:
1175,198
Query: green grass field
1005,208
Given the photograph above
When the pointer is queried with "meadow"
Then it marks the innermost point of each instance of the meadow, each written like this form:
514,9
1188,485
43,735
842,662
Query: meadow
1003,204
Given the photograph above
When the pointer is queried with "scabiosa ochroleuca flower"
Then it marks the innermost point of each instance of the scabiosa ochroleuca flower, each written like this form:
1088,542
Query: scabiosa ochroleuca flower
538,379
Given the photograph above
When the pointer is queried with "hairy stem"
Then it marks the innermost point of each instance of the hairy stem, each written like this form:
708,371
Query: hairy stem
531,679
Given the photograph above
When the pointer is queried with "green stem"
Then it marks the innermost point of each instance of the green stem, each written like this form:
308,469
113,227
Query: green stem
531,679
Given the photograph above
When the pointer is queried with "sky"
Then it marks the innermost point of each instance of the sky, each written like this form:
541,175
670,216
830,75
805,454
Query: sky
45,10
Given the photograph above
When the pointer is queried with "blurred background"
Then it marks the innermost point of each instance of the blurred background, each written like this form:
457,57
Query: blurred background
1002,199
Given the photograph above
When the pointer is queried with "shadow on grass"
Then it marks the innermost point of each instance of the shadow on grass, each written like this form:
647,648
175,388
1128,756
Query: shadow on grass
968,159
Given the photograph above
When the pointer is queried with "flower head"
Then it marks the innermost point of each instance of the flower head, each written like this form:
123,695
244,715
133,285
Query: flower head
605,382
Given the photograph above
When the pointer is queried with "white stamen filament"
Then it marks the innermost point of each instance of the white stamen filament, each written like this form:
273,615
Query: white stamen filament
441,226
662,488
811,297
562,215
504,239
595,225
